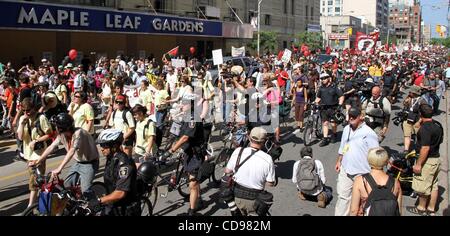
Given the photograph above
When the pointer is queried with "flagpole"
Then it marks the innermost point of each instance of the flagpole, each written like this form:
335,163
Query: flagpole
259,23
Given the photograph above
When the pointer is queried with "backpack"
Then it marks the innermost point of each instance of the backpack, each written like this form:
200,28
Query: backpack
146,127
381,201
124,116
36,98
307,178
380,105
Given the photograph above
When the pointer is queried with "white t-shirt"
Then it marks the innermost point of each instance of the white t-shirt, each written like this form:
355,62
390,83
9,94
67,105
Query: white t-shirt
256,171
106,91
172,81
319,169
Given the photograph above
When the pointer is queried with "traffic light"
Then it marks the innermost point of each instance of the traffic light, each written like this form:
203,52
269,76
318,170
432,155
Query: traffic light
438,28
350,31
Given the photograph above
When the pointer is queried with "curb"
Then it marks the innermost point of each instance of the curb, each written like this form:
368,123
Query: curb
447,160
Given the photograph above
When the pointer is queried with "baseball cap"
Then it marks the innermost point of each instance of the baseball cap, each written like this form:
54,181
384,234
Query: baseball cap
258,135
324,76
354,112
120,98
349,71
296,66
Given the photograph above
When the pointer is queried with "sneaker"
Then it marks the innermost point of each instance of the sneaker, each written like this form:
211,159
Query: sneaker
301,196
324,142
321,200
333,138
190,212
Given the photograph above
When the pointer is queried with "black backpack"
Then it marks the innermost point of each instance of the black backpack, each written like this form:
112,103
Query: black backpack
381,201
124,115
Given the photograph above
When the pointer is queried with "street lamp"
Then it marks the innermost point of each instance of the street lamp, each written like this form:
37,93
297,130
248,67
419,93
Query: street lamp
259,23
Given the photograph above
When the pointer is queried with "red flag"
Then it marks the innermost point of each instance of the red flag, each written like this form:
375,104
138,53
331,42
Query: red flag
173,52
386,47
280,55
328,50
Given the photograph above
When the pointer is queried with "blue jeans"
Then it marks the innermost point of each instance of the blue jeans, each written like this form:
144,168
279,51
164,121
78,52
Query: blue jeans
86,173
160,117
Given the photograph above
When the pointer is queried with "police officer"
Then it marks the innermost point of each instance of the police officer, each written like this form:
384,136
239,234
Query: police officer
377,113
388,83
119,177
331,98
192,143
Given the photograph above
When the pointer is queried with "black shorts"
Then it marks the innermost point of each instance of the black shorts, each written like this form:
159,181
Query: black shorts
192,164
327,113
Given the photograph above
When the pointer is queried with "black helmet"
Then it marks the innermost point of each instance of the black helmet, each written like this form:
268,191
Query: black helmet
63,122
147,172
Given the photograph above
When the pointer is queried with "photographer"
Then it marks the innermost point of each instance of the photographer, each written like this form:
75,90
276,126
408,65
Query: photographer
377,112
411,124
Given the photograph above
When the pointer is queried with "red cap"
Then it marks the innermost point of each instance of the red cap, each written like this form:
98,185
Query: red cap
120,98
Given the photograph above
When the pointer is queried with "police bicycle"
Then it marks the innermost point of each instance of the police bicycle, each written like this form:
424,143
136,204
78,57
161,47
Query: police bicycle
55,199
313,128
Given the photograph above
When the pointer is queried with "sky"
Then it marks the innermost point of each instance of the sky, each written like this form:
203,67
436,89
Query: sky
434,12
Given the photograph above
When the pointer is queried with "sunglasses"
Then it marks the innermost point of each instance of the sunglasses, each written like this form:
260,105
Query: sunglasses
120,102
104,145
77,96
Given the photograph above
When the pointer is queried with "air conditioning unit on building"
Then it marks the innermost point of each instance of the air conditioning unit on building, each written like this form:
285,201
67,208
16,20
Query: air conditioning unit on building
210,11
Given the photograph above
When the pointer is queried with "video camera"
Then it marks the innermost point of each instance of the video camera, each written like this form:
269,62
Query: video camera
400,117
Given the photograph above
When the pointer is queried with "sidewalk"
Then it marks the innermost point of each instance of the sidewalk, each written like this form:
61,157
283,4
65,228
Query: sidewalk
444,174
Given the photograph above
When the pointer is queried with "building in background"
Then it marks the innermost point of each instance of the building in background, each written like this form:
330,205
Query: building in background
374,13
426,34
405,20
143,28
339,32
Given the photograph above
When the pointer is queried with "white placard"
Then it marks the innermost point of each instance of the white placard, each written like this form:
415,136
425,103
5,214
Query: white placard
217,57
238,52
286,56
132,94
178,63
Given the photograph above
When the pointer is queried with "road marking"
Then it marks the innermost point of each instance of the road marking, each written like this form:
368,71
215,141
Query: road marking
52,164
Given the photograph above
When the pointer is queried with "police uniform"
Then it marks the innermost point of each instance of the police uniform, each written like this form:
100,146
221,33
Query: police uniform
120,174
194,147
352,98
329,99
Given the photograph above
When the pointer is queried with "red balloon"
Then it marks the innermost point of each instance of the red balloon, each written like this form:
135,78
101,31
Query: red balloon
73,54
192,50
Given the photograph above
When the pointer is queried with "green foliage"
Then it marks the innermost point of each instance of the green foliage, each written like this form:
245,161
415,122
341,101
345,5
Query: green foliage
441,41
268,42
314,40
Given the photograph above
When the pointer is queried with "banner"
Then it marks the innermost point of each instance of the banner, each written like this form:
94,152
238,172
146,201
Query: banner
238,52
365,43
217,57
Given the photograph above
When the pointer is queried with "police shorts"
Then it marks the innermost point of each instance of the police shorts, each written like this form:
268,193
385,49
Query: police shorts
192,165
327,113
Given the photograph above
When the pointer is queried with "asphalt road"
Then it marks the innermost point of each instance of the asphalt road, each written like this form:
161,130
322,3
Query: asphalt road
13,178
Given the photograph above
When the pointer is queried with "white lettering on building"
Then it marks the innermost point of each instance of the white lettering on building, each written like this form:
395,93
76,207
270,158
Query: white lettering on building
177,25
59,17
28,17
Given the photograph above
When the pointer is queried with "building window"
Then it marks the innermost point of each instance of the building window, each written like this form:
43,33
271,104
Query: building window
323,10
337,2
293,7
285,7
330,10
306,12
284,44
232,16
323,2
337,10
330,2
267,20
334,29
312,13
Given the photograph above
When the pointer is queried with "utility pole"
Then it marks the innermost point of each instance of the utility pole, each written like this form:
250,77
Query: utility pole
259,23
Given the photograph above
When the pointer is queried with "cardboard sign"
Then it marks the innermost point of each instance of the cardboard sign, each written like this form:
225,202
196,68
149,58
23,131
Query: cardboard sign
238,52
217,57
178,63
286,56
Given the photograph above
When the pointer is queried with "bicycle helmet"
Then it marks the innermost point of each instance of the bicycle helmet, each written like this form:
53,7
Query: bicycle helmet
63,122
147,172
110,137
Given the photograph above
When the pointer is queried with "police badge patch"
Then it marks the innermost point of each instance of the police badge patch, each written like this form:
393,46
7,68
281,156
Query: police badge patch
123,172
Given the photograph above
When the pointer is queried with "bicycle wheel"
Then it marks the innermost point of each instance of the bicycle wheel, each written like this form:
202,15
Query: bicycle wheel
146,207
99,189
153,194
32,210
220,163
308,134
183,182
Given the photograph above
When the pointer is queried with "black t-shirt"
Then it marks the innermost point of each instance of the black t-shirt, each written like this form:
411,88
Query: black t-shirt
389,81
194,130
430,134
120,174
24,93
329,96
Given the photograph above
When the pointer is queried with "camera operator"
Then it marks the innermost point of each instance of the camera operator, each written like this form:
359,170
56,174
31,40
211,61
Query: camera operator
411,124
430,85
377,113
